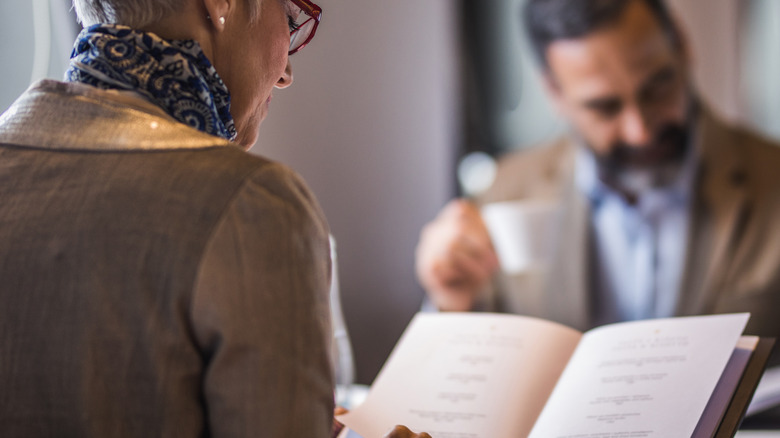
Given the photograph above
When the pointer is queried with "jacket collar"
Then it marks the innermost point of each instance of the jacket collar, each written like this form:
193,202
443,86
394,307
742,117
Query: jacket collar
723,201
73,116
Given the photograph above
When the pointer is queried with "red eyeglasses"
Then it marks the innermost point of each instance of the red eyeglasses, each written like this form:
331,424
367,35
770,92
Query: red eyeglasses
303,18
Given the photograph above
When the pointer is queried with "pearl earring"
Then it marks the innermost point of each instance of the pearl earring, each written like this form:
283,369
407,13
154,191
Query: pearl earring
222,20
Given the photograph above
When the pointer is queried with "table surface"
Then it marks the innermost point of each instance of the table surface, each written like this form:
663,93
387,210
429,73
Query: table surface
758,434
744,434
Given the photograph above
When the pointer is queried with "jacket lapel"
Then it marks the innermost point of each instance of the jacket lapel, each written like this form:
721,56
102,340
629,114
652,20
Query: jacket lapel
719,210
568,279
567,283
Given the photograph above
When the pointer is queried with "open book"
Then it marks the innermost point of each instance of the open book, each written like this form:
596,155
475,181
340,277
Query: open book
477,375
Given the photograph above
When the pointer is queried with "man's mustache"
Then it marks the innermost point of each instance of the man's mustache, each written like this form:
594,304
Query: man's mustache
669,146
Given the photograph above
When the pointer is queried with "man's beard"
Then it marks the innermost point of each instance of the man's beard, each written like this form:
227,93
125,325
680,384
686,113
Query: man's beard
633,170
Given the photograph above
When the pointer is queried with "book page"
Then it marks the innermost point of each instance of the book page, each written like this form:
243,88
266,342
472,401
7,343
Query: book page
642,379
466,375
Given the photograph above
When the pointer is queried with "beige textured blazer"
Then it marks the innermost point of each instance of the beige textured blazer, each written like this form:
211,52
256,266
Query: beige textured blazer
154,281
733,257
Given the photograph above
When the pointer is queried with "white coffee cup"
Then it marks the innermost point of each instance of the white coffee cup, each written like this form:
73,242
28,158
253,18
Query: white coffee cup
523,233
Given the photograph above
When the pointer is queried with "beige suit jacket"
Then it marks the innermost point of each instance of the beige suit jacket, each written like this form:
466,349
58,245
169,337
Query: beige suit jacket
154,281
733,256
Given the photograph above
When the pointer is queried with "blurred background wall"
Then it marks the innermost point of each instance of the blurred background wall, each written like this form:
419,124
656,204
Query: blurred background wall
759,66
372,122
36,38
391,94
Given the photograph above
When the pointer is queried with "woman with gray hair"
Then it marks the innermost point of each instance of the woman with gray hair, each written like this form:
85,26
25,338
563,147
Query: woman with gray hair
156,279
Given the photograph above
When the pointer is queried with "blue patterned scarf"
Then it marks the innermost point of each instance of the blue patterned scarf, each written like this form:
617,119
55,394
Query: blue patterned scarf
174,75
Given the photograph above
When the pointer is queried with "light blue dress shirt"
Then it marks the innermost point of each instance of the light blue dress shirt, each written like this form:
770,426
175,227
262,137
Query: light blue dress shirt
638,249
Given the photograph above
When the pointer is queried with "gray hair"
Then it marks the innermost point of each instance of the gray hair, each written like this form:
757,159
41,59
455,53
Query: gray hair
133,13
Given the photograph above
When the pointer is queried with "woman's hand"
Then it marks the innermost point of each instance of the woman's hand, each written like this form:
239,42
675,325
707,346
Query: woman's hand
337,426
404,432
397,432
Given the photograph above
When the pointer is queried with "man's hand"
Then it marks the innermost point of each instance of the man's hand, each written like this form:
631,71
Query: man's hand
455,257
404,432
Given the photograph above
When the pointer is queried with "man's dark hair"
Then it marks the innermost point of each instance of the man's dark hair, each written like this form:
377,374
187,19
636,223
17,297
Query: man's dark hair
547,21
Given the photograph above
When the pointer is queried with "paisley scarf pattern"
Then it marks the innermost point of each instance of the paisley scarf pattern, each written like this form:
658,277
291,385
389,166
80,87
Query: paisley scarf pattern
175,75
